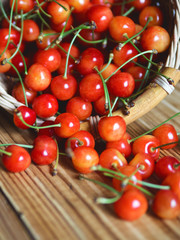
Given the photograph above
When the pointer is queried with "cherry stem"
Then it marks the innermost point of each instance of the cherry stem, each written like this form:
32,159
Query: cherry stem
42,19
133,139
128,11
19,114
17,144
176,165
111,56
42,10
6,152
164,145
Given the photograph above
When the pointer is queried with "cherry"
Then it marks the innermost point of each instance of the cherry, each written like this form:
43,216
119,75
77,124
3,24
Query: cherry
28,115
100,106
69,125
124,54
79,107
91,87
74,51
166,165
166,204
13,37
155,37
121,84
145,163
18,93
151,11
131,176
64,25
79,6
45,105
84,158
80,138
101,15
121,145
108,69
138,74
111,158
45,39
103,2
131,206
50,58
111,128
44,151
30,30
58,10
89,36
70,67
4,66
25,5
17,160
38,78
140,4
146,144
120,25
63,88
89,59
173,180
18,62
166,134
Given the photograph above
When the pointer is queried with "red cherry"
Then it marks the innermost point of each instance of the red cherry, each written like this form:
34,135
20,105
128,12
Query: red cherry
66,24
70,67
121,84
58,10
28,115
166,165
124,54
48,36
69,125
166,204
44,151
4,67
140,4
84,158
38,78
131,206
99,106
151,11
111,158
138,74
45,105
89,59
89,35
120,25
47,131
74,51
63,88
18,62
103,2
145,163
127,171
79,6
18,161
101,15
111,128
51,59
14,37
122,145
30,30
80,138
91,87
79,107
166,134
155,37
145,144
108,70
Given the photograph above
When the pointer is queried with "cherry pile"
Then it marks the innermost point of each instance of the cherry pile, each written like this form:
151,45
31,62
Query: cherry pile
69,60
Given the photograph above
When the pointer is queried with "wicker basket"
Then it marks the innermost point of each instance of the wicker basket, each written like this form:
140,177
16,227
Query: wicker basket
146,101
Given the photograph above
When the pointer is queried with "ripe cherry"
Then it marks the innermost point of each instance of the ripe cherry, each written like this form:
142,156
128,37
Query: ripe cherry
84,158
28,115
18,160
38,77
166,134
111,128
119,25
121,84
100,106
30,30
69,125
79,107
25,5
4,66
166,204
79,6
45,105
47,131
80,138
166,165
44,151
46,37
13,37
131,206
140,4
151,11
111,158
173,180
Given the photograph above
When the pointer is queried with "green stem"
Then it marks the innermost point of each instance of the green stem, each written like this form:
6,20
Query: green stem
17,144
164,145
102,200
42,10
128,12
133,139
6,152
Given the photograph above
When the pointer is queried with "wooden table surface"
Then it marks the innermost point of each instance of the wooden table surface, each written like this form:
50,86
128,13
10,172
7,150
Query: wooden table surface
36,205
